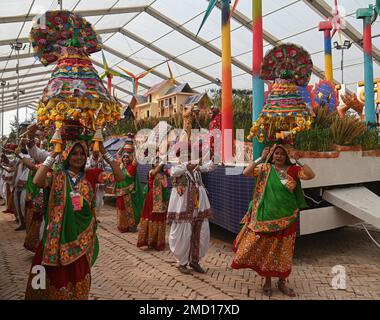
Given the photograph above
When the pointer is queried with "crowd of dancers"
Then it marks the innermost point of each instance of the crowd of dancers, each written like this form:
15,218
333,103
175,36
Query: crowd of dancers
55,198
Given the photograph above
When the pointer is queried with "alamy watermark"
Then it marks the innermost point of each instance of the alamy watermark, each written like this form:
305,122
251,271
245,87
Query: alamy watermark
39,280
338,282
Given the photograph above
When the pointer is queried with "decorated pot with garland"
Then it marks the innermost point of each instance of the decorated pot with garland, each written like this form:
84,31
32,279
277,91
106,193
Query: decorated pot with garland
285,113
74,93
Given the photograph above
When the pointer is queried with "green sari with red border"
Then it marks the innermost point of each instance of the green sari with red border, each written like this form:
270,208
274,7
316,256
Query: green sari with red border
266,240
129,202
69,246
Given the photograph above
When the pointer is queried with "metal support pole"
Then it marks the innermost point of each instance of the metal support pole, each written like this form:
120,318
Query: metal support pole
18,93
345,46
341,64
2,112
18,46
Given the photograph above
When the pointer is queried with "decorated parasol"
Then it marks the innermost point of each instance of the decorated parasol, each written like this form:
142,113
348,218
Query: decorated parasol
285,113
75,95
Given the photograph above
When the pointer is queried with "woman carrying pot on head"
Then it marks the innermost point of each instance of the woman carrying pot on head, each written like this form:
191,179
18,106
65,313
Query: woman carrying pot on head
129,201
152,226
69,245
266,240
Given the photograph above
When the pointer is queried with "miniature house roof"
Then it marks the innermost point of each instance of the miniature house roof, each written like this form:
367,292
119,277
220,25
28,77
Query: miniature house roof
181,88
136,100
194,100
156,87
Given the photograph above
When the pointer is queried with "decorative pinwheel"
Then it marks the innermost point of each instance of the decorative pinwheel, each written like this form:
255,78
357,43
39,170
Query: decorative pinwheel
171,75
109,74
336,22
209,9
135,79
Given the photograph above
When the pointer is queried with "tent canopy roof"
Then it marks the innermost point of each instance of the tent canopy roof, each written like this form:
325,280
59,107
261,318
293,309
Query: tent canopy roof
143,34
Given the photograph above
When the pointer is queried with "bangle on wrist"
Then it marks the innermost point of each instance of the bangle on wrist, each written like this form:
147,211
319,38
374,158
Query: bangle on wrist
49,161
107,156
301,164
258,160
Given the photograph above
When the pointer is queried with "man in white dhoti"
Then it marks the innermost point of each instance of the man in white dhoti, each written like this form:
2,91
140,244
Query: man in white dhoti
189,210
8,162
20,179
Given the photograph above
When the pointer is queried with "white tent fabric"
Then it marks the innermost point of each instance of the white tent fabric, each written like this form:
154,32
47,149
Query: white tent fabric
140,34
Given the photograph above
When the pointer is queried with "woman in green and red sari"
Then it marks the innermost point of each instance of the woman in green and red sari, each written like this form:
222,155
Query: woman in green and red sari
129,199
153,217
266,240
34,204
69,245
34,210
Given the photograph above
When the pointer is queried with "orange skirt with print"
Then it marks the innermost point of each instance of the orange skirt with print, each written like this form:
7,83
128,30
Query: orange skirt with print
124,214
152,226
269,254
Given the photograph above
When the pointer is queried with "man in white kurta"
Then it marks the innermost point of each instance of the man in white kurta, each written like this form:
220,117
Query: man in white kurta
21,177
189,210
9,163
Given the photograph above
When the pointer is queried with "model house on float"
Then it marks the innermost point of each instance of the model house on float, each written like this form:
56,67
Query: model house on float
165,100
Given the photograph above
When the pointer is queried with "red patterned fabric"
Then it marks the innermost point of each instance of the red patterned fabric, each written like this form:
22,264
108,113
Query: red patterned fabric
63,282
92,176
131,169
293,171
152,224
270,254
216,123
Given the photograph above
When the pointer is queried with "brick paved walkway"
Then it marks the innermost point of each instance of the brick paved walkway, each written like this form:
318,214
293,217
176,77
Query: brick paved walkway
124,271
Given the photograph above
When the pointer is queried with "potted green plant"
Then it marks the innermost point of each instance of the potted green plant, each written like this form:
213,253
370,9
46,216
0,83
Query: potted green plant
370,144
345,133
314,143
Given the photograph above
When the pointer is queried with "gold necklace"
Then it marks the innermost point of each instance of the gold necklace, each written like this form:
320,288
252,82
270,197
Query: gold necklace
282,173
